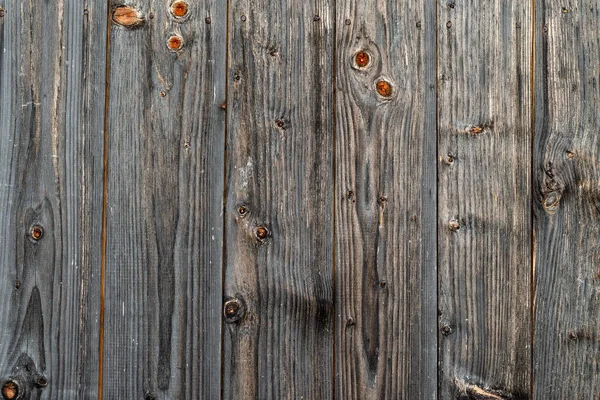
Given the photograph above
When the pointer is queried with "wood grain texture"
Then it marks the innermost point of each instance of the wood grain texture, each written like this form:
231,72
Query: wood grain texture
280,177
484,219
52,75
164,205
567,201
386,337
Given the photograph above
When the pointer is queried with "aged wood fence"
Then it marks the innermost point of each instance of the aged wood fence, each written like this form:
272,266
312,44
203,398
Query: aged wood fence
287,199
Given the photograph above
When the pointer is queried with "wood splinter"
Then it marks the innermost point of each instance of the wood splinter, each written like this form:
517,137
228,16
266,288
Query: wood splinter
479,393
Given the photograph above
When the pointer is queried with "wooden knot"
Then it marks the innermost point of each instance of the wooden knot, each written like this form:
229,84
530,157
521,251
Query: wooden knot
127,16
262,233
384,88
179,9
362,59
10,390
234,310
175,42
36,232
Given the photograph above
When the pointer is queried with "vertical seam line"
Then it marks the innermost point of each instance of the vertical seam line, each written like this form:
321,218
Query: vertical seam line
104,201
224,203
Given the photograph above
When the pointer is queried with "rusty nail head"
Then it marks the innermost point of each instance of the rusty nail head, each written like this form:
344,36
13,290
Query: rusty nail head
175,42
384,88
10,390
242,210
262,232
280,123
347,22
362,59
243,18
179,9
207,20
449,24
224,106
36,232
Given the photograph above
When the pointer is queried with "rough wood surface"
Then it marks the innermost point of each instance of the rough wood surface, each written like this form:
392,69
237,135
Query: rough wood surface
484,219
52,73
567,201
386,337
163,272
324,199
279,211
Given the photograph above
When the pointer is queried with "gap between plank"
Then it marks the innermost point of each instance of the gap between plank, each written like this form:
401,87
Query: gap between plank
531,201
104,198
224,203
437,206
334,241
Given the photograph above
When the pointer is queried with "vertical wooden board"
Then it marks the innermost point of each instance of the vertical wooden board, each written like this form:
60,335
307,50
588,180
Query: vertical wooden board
52,75
386,337
567,201
484,220
279,211
163,271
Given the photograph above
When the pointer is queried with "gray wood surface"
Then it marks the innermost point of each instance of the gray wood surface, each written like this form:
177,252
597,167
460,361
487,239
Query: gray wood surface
281,199
484,219
385,266
52,74
279,211
163,271
566,201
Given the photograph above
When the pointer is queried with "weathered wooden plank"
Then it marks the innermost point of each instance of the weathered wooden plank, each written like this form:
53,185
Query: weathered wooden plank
164,202
52,75
484,220
279,211
566,201
386,336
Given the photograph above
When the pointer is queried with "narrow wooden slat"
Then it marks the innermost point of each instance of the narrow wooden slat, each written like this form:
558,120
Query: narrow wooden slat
52,75
567,201
279,211
163,267
386,337
484,221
